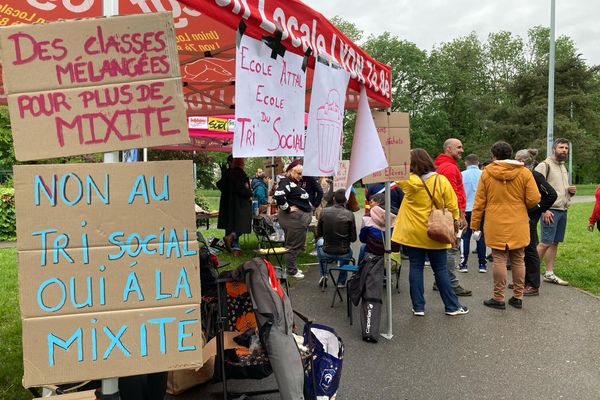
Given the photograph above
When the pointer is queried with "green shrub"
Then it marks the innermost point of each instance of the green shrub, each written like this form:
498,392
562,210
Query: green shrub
8,230
202,201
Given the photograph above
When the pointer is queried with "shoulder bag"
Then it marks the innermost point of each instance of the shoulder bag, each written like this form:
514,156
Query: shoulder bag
440,226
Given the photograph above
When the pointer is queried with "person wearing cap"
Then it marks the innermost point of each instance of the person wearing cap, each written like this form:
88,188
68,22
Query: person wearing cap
295,213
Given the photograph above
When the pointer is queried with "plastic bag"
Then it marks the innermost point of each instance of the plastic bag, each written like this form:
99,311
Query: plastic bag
328,355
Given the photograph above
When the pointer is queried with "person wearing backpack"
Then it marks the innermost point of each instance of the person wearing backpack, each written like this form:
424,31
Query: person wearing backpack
554,220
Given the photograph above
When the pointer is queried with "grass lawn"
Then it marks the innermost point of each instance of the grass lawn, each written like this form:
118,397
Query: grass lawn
589,189
576,262
577,259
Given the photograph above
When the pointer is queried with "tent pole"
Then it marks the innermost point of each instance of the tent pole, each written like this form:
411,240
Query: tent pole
388,266
110,386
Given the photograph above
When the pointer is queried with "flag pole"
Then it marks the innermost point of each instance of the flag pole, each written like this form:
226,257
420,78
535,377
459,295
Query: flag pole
110,386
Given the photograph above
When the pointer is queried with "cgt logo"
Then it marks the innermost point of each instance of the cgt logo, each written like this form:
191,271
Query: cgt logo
327,378
75,6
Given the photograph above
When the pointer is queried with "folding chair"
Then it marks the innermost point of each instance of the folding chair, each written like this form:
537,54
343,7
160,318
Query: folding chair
268,247
396,261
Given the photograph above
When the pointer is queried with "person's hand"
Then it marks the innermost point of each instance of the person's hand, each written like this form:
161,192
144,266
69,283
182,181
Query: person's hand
462,223
590,227
572,189
547,217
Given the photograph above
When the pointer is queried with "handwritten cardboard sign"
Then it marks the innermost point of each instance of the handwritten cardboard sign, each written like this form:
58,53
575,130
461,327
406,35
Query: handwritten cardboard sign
85,86
269,102
394,133
108,270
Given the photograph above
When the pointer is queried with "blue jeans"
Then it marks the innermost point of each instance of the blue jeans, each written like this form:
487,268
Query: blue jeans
466,240
437,258
325,259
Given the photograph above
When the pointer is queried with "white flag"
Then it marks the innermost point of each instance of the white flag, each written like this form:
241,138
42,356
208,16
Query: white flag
367,154
269,102
325,121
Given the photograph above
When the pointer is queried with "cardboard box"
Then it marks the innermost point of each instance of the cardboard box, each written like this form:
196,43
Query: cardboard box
394,134
108,270
93,85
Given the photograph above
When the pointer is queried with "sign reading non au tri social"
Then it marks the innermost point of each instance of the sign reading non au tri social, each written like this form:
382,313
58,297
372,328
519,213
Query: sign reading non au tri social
108,270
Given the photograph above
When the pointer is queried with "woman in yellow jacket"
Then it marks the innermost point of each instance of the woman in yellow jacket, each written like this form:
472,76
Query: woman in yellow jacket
505,192
410,231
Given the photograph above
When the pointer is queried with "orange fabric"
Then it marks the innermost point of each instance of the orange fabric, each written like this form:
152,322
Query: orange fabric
246,321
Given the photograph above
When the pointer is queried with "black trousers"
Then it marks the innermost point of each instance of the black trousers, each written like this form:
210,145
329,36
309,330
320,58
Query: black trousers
532,260
143,387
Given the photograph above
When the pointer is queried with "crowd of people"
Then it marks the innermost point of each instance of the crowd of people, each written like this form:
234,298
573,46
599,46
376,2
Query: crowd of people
497,204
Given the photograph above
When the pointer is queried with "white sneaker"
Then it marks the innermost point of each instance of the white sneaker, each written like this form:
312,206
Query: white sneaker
551,278
298,275
461,311
418,313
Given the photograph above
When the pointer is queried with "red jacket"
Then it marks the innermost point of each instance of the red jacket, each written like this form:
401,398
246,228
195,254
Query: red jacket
596,213
448,167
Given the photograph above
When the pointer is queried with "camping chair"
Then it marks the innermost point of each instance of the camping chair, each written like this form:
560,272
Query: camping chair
349,268
238,313
268,246
396,261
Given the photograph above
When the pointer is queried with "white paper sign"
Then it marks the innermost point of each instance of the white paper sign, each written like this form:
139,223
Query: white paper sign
269,102
341,177
325,121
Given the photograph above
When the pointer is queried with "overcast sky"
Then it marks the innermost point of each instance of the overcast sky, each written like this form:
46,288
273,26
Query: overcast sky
431,22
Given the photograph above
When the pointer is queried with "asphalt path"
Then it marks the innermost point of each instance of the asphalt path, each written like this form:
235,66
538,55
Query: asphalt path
550,349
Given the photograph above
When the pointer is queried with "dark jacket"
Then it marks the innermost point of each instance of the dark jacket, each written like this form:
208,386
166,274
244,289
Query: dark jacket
235,207
548,194
314,190
337,227
290,193
259,191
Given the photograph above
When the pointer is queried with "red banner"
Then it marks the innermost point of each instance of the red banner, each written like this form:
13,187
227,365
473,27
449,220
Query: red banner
38,11
302,27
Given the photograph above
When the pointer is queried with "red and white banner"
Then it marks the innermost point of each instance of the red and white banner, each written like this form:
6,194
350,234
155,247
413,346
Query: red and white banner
302,27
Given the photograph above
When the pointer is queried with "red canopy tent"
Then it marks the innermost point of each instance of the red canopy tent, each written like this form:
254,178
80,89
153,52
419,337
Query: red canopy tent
206,31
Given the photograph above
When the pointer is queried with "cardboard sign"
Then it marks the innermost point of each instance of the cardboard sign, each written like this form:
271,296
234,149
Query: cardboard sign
341,178
94,85
108,270
269,102
394,134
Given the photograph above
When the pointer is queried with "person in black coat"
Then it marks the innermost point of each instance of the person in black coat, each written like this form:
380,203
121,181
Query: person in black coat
235,205
532,259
